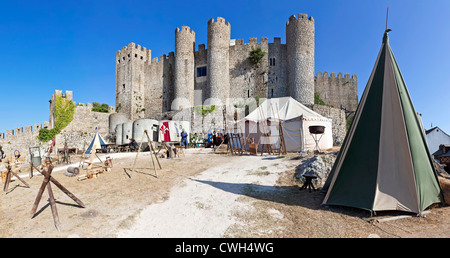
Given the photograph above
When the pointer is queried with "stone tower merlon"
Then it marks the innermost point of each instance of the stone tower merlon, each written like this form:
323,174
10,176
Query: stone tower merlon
184,68
132,62
218,59
300,58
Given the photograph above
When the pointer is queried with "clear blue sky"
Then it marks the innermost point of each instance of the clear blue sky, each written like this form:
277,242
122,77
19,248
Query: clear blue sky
71,45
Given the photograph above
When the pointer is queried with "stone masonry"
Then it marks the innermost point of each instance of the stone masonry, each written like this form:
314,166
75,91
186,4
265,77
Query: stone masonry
146,87
77,134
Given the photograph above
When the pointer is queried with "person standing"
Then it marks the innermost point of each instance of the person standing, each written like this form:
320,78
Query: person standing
184,141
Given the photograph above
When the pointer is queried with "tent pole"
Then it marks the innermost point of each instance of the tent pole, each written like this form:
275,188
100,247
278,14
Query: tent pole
387,15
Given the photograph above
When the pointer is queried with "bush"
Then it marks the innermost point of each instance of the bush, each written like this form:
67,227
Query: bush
205,109
256,55
104,108
318,100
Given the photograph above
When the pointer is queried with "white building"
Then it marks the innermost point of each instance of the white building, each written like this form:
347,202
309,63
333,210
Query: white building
436,137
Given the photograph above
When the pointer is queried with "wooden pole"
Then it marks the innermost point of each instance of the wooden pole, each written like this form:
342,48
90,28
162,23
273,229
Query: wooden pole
152,149
139,150
8,178
53,207
41,189
46,183
387,15
64,190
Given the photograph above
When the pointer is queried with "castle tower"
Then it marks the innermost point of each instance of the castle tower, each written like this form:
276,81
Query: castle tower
132,62
68,95
300,58
218,77
184,68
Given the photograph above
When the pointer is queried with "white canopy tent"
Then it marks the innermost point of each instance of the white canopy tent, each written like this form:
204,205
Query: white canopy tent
295,119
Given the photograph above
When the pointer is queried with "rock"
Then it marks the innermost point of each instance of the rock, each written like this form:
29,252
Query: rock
319,166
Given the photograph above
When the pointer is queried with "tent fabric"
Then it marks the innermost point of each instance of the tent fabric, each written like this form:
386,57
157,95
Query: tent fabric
97,143
384,163
285,108
295,119
170,130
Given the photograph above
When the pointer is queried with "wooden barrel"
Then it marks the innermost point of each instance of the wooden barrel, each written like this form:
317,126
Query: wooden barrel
4,176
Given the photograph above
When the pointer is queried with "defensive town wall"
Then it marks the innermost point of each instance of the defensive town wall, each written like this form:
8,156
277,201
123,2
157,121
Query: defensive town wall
77,134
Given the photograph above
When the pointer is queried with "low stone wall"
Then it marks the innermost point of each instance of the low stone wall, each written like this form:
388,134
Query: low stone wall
339,121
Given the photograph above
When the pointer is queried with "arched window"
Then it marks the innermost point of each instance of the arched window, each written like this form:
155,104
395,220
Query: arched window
272,61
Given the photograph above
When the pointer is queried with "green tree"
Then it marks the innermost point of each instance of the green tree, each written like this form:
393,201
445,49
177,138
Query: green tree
96,107
256,55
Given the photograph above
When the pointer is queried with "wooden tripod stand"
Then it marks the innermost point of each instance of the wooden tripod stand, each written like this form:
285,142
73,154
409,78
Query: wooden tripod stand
152,153
8,178
47,179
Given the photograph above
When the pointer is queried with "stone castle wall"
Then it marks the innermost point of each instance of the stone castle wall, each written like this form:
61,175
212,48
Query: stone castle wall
339,121
337,91
223,70
80,130
146,87
20,139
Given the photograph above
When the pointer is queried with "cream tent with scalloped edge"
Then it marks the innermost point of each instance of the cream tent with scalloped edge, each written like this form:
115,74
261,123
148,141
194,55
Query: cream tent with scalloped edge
295,118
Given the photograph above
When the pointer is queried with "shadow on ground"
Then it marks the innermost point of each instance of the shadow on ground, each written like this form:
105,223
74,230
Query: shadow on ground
289,195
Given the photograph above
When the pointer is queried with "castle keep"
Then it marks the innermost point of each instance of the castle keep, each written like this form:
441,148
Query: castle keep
223,74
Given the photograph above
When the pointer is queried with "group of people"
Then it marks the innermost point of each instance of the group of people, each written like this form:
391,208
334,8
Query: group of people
214,139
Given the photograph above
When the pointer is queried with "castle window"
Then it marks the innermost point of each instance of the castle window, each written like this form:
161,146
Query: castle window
123,85
118,61
142,57
135,55
272,93
272,61
201,71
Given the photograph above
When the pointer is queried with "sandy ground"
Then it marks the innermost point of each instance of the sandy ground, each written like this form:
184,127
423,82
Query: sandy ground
203,194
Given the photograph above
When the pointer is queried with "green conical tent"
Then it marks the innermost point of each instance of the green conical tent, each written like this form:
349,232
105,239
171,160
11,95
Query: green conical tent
384,162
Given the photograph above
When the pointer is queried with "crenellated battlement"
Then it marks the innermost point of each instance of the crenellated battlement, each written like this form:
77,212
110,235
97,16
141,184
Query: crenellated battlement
337,90
133,50
301,17
333,75
22,131
218,20
254,41
201,47
162,58
185,29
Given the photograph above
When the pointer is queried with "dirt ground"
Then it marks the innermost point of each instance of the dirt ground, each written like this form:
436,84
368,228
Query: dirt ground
201,194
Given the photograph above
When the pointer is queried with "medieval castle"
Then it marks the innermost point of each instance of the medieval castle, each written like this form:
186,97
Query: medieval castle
222,73
148,87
